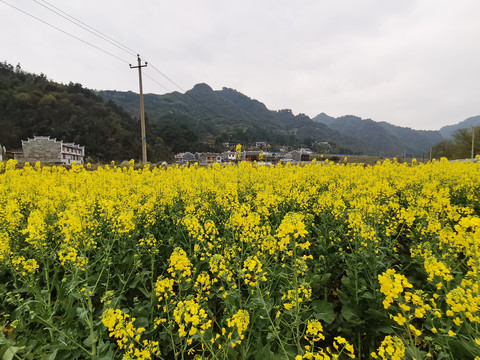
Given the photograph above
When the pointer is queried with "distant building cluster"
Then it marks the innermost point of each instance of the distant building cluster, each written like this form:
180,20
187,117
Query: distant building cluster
44,149
47,150
255,155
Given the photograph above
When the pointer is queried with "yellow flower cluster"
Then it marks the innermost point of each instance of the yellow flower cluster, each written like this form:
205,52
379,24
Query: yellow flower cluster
293,297
437,268
190,316
314,330
341,344
127,336
238,323
25,266
149,242
253,273
391,348
218,267
203,285
291,228
392,285
180,265
69,255
214,233
314,333
164,288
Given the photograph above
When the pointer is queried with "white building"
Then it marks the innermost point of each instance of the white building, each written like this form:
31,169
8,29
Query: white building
44,149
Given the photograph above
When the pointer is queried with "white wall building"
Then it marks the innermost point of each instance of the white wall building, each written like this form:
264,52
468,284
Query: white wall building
44,149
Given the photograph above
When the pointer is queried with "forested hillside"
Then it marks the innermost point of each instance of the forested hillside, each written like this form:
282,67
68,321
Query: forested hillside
449,131
201,119
459,146
382,136
218,116
31,105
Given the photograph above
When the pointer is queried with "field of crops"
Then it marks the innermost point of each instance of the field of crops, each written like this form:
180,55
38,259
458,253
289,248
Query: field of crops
320,261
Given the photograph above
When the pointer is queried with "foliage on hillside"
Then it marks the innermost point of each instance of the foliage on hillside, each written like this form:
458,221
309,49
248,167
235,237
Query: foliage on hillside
226,115
460,146
449,131
31,105
382,136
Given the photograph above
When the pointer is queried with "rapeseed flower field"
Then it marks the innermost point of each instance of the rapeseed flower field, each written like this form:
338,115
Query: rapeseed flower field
320,261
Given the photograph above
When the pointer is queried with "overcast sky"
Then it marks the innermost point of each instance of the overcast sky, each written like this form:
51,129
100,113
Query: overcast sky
407,62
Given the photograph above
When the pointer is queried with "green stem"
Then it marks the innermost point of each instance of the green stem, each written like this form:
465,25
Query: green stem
51,326
152,296
277,335
90,325
174,348
209,347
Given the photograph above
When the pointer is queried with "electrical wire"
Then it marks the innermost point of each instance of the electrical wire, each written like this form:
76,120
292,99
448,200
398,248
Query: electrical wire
65,32
108,39
180,88
86,27
178,97
165,76
156,82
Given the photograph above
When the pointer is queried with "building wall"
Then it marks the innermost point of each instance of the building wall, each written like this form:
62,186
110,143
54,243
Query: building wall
42,149
72,152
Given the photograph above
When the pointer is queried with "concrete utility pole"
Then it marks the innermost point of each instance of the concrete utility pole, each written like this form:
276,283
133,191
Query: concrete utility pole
142,111
473,142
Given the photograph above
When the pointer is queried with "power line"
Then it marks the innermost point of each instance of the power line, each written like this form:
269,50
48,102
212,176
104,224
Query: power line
180,88
65,32
106,38
156,82
166,77
86,27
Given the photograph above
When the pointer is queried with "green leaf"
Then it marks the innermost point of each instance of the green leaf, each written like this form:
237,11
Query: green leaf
375,314
10,352
53,355
318,281
323,310
442,356
81,313
344,298
141,322
368,295
349,313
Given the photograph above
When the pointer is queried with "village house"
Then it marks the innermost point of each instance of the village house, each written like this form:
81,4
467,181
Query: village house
44,149
228,156
186,157
210,158
300,155
252,156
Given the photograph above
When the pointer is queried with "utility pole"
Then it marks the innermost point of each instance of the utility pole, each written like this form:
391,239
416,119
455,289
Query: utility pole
473,142
142,111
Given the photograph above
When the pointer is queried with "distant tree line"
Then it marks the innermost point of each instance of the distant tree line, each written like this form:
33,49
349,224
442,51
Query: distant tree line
33,105
460,147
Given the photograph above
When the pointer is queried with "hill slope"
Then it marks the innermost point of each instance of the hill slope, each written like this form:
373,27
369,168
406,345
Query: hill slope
228,115
383,138
449,130
32,105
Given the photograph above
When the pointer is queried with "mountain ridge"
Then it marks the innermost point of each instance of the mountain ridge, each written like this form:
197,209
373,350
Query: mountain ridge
201,119
238,114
